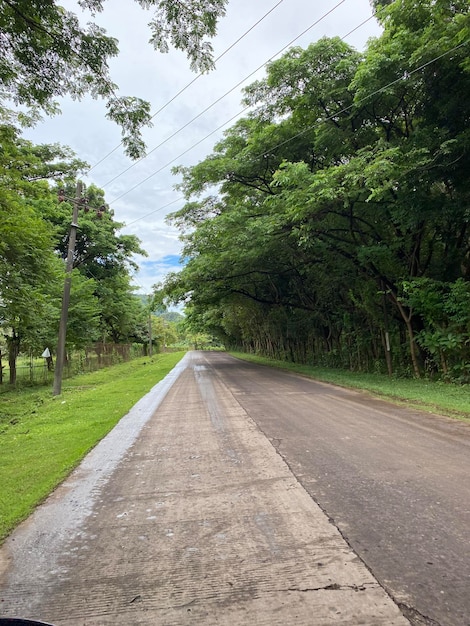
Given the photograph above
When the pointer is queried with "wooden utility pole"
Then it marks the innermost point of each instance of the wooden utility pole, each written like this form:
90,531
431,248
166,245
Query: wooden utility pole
150,334
60,356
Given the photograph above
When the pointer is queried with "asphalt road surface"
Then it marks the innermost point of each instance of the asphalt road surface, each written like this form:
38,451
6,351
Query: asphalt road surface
235,494
396,482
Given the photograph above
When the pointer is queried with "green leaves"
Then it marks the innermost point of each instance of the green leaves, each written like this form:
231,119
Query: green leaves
188,27
346,185
30,274
131,114
34,231
45,53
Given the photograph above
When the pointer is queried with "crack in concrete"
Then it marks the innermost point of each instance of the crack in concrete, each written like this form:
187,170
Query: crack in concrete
415,617
334,587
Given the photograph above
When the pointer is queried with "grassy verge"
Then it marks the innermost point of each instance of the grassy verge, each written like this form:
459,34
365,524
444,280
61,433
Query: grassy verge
43,438
434,396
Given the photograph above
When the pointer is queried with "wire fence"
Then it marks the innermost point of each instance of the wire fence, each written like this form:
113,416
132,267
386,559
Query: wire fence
36,371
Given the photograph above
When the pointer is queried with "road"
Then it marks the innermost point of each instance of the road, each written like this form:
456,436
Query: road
393,480
237,494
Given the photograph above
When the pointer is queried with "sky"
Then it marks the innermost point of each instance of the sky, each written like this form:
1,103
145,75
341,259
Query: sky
142,193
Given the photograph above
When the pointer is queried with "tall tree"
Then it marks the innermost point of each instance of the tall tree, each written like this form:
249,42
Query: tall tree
30,276
103,256
30,271
34,230
344,190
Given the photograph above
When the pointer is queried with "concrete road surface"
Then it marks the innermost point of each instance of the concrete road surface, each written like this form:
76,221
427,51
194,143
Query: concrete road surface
187,513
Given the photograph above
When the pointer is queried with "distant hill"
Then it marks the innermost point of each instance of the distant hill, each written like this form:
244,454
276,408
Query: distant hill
170,316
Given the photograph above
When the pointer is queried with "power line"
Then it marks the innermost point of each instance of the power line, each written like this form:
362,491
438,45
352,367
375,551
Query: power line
155,210
225,94
405,76
213,132
207,136
180,155
162,108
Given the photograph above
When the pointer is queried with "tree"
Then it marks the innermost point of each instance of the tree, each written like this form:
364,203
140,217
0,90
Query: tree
104,257
30,276
344,189
83,326
34,231
30,271
164,332
45,53
123,317
418,73
445,309
100,248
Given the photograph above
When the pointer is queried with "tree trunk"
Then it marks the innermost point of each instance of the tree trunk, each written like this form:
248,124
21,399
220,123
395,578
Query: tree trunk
386,334
411,338
414,356
388,353
13,351
445,369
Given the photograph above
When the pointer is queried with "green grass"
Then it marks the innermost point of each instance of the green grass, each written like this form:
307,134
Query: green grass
433,396
43,438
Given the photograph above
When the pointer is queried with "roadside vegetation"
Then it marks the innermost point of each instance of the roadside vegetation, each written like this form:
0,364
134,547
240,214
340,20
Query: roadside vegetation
330,225
42,438
428,395
51,53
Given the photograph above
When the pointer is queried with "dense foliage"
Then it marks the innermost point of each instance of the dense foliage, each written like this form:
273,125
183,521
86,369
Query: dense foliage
34,230
331,225
46,53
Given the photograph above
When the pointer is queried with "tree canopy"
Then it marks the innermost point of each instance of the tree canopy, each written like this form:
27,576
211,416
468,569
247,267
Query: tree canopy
34,231
332,223
45,53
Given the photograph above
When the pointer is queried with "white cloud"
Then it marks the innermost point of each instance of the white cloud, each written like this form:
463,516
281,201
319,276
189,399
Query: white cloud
141,71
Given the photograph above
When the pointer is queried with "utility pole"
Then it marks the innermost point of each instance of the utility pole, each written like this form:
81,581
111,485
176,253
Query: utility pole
150,337
150,334
60,357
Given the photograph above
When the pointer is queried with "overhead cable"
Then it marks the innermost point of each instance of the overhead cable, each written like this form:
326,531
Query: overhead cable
162,108
405,76
182,154
210,106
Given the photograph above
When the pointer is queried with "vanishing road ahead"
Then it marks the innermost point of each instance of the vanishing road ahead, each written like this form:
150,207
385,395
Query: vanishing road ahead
236,494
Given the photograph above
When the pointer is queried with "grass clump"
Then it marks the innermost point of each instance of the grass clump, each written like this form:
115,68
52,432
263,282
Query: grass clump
448,399
42,438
